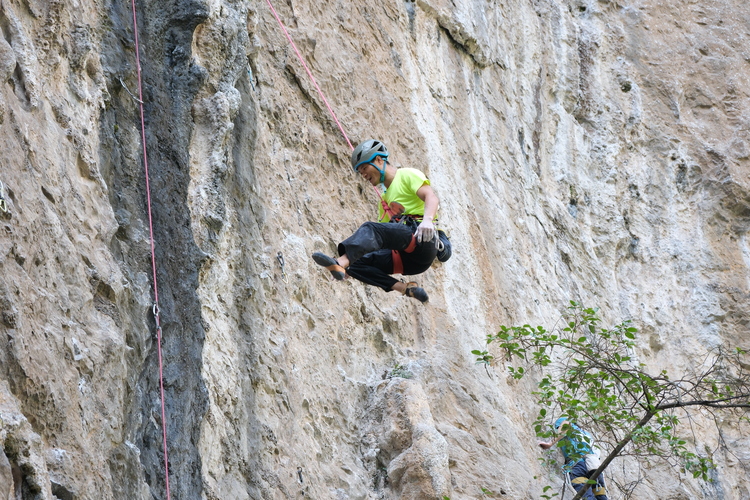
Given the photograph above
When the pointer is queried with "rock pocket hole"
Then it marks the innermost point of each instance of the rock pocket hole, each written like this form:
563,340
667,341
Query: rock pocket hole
681,177
61,492
19,87
105,291
634,246
48,195
573,207
566,259
21,487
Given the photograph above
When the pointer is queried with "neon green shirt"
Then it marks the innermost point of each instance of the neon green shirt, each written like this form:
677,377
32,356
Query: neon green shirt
401,195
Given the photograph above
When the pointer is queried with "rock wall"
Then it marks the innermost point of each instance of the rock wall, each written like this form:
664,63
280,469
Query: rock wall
587,150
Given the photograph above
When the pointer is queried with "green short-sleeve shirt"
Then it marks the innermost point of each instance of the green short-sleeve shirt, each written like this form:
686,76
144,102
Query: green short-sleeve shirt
401,195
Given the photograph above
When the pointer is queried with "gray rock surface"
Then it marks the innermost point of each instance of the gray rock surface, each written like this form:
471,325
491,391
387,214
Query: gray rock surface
587,150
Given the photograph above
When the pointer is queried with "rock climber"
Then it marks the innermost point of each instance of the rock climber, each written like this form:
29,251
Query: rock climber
404,240
580,455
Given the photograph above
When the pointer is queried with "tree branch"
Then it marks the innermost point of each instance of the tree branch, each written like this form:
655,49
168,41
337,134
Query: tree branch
614,453
716,403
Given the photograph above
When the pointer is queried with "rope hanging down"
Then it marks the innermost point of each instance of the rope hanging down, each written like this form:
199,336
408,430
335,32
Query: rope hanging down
153,252
309,73
320,92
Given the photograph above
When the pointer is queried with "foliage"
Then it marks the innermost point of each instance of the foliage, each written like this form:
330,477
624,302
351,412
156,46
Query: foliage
591,374
547,496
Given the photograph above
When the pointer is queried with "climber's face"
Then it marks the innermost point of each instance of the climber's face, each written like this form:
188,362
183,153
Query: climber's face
370,172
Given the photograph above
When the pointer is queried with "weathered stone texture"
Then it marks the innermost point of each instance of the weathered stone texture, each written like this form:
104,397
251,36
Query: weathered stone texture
587,150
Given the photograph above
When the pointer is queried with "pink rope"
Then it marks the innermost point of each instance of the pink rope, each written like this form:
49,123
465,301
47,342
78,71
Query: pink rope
309,73
153,252
320,92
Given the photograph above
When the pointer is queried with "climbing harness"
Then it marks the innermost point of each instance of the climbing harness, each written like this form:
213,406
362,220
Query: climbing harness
280,258
3,204
408,219
398,264
156,310
322,96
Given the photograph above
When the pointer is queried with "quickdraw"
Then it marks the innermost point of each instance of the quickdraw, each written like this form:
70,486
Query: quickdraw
3,204
157,320
129,92
280,258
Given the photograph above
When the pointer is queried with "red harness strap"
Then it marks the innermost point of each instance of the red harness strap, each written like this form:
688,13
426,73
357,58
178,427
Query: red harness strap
398,264
412,245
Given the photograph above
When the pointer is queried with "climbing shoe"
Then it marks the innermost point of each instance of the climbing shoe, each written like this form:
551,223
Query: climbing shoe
444,246
331,264
416,292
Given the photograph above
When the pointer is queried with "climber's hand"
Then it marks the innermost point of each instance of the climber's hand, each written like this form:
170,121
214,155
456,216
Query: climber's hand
425,230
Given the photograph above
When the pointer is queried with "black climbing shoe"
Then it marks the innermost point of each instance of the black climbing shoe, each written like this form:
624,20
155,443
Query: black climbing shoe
416,292
331,264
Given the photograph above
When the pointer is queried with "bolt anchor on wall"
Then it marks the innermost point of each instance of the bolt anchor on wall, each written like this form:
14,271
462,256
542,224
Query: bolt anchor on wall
280,258
3,204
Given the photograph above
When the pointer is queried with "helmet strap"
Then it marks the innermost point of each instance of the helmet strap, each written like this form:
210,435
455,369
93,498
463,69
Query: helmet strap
382,172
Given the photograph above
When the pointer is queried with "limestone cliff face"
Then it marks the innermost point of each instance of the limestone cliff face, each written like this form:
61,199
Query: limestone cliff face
586,150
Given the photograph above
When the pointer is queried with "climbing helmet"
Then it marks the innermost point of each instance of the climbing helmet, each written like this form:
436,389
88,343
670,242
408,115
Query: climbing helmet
367,151
559,422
